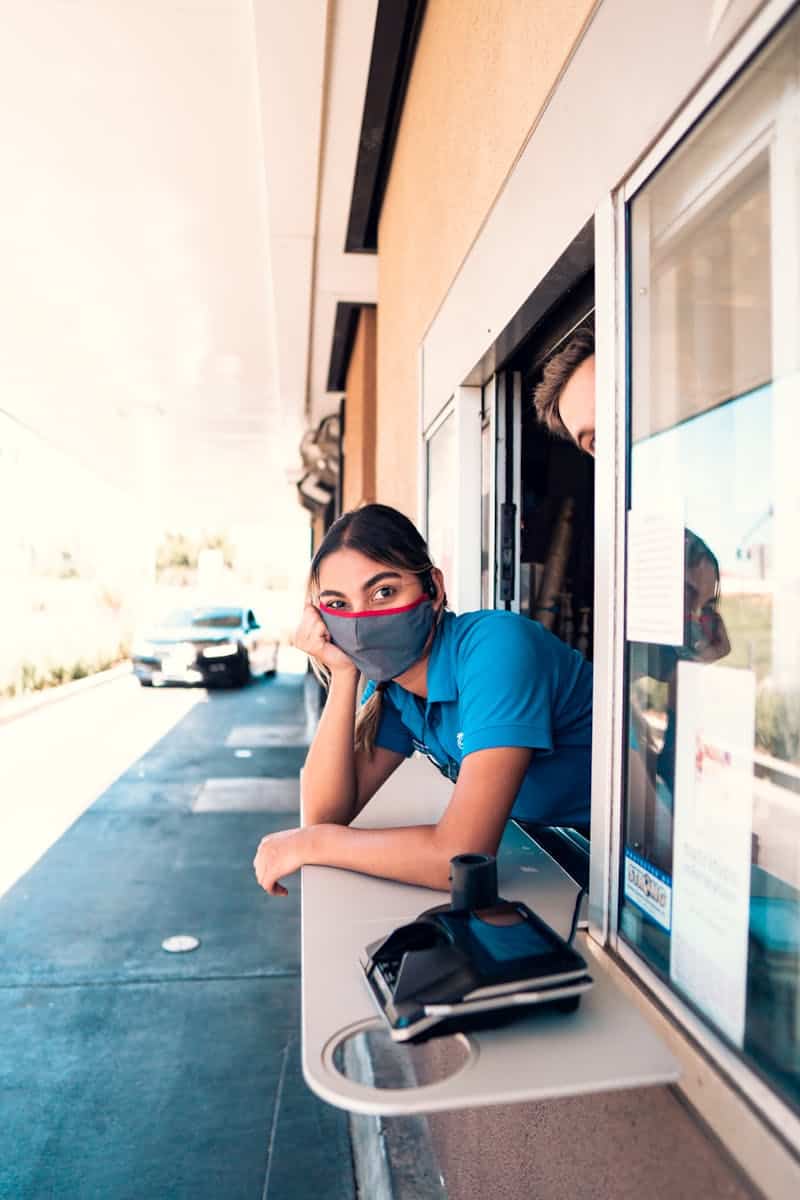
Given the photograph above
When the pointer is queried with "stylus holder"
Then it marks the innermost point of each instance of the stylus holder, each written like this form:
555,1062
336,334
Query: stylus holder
473,881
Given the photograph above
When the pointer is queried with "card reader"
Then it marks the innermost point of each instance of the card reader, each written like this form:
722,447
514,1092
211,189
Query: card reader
476,962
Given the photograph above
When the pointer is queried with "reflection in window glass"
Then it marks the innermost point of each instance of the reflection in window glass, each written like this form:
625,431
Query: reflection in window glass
711,871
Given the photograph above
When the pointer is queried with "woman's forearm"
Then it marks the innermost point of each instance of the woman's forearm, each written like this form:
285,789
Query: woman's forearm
329,775
415,854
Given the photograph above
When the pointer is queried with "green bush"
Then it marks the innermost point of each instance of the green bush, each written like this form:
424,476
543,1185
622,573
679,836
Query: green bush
34,677
778,724
650,694
30,677
178,550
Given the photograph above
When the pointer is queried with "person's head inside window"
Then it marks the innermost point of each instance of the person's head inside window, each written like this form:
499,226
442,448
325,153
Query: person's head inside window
705,637
564,399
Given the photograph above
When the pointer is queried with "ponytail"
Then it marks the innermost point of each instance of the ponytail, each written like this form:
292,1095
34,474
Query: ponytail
368,715
368,719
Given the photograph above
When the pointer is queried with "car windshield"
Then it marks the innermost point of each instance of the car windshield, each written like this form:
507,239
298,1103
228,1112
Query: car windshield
216,618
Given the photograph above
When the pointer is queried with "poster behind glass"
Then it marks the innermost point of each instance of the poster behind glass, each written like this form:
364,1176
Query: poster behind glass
711,865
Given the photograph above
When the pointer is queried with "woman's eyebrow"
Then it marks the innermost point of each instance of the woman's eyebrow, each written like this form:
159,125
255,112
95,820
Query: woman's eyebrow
381,575
365,586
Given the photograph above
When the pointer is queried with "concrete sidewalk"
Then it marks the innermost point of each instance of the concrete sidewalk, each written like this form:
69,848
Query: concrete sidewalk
126,1072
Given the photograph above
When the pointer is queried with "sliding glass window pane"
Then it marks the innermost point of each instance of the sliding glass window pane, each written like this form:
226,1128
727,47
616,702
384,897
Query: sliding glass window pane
711,872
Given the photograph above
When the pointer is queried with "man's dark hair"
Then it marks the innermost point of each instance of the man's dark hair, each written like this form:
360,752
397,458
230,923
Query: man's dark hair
557,373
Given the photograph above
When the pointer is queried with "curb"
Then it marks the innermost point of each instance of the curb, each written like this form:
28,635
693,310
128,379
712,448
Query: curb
13,709
393,1157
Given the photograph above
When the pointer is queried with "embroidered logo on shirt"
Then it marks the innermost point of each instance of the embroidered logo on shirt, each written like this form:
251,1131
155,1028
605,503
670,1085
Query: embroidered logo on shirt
449,769
460,740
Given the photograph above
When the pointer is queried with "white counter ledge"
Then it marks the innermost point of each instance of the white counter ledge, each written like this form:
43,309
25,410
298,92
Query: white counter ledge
606,1044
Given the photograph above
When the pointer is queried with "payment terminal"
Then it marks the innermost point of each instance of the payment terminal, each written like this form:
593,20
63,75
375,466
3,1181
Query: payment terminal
474,963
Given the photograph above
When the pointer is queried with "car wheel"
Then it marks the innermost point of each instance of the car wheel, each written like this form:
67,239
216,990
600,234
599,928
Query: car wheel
145,683
243,674
569,1004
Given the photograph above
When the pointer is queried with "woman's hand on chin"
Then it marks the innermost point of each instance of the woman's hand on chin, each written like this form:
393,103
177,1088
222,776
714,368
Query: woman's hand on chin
312,637
279,855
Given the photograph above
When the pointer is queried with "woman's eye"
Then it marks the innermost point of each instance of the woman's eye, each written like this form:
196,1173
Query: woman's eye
384,593
335,604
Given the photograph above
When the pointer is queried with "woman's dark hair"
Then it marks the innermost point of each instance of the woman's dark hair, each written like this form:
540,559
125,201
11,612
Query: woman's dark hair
696,551
387,536
379,532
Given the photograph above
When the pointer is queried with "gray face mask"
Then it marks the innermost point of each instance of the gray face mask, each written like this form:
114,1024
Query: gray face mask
381,644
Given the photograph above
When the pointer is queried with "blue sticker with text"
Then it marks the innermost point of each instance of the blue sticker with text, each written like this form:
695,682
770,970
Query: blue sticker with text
649,889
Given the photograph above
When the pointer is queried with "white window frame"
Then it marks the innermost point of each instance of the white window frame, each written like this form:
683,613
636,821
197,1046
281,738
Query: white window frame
612,273
489,420
464,588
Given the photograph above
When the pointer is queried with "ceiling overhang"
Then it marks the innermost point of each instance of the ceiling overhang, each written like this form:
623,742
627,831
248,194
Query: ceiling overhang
333,76
397,27
345,327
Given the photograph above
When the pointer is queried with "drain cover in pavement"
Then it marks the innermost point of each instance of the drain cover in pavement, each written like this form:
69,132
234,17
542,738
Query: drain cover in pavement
267,735
180,943
252,794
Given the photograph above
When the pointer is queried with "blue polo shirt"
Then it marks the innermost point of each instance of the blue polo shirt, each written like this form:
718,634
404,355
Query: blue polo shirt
499,679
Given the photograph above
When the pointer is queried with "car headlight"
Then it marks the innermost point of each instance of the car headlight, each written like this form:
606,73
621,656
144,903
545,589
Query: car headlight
221,651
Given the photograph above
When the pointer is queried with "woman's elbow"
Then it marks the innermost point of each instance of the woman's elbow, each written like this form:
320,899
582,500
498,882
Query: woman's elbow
316,810
320,814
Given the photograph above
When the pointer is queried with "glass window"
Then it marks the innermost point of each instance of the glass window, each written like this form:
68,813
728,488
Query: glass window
710,891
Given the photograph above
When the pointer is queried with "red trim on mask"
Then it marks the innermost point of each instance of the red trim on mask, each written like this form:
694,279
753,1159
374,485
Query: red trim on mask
381,612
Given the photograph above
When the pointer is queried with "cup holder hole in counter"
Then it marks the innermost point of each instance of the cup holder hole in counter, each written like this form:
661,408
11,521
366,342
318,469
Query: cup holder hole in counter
365,1054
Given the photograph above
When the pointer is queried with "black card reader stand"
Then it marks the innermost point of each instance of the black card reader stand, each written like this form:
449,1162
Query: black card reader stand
473,964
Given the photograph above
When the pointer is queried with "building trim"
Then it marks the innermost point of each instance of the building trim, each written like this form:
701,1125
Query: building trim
345,327
569,271
590,136
397,27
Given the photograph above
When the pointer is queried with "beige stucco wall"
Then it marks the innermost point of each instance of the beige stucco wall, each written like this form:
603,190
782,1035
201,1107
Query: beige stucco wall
481,74
359,421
